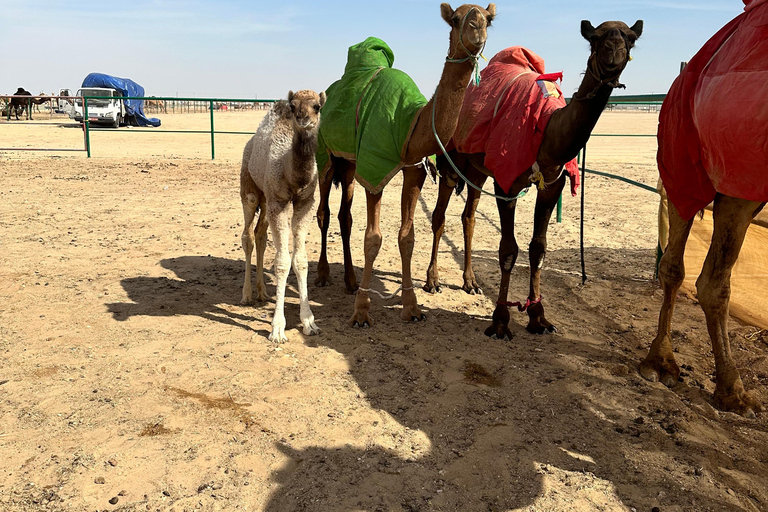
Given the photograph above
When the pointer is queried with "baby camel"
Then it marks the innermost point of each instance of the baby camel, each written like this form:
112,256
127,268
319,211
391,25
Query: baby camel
279,176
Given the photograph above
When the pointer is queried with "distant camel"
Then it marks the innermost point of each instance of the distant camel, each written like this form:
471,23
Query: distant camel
19,104
159,105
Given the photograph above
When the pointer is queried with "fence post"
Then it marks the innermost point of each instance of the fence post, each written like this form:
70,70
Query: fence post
87,127
560,209
213,147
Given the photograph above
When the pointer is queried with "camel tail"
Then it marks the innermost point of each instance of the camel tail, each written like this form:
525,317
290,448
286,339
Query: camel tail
339,171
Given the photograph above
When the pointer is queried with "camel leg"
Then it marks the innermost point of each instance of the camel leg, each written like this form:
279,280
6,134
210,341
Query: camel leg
261,245
432,284
477,178
413,181
508,251
279,222
546,200
301,218
251,197
345,223
732,217
371,246
659,364
323,221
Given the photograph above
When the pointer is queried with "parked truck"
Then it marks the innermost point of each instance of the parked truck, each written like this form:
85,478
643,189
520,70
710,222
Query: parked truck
106,108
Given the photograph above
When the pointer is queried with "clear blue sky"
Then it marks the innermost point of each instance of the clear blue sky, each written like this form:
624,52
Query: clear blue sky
240,49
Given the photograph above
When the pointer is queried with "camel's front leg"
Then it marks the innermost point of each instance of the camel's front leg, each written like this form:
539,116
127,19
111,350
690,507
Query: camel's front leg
508,251
546,200
432,284
732,217
323,221
660,364
279,222
413,180
372,244
477,178
301,218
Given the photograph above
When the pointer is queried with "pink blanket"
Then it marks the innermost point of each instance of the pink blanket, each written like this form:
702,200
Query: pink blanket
713,126
505,116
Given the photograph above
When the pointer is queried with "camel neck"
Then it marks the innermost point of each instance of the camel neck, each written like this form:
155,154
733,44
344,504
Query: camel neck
569,128
446,104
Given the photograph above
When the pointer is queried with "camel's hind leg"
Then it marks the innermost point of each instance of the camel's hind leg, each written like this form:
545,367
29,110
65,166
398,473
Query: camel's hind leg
323,221
659,364
732,217
302,210
345,223
251,197
261,245
432,284
477,178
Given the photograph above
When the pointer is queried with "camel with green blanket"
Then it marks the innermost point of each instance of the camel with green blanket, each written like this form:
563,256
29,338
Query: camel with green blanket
377,123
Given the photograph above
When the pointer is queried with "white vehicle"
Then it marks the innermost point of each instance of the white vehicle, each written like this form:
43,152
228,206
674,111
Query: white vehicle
64,106
109,111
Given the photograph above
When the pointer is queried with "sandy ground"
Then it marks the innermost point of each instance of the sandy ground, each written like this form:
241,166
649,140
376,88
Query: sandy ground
131,379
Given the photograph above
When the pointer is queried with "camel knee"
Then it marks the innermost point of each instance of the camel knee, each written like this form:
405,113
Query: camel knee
713,293
372,245
537,249
671,273
508,255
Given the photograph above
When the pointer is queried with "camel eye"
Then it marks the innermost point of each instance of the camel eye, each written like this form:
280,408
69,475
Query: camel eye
317,108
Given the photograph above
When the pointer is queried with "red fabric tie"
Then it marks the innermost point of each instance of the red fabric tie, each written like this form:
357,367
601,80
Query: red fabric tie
519,305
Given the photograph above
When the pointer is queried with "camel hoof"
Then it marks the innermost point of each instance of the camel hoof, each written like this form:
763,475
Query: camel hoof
246,302
649,374
422,318
351,290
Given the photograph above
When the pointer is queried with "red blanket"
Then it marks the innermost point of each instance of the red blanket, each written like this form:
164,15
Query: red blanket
505,116
713,126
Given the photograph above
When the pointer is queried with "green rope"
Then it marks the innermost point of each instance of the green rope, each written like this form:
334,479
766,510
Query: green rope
456,169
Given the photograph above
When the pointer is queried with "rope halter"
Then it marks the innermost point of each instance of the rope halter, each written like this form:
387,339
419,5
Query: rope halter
470,56
594,69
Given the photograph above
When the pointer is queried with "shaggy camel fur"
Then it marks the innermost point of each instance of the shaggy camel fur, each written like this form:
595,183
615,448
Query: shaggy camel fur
566,133
279,176
731,170
468,34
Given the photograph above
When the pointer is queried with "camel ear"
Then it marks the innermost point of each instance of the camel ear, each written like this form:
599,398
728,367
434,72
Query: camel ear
322,99
491,13
637,28
446,11
587,30
290,96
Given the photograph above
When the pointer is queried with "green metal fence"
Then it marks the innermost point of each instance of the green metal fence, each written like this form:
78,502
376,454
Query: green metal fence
212,102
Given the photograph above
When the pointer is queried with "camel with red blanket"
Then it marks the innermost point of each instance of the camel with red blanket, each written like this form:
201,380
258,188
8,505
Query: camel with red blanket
713,146
516,127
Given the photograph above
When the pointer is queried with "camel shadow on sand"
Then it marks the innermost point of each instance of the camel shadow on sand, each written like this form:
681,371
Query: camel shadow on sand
509,423
480,424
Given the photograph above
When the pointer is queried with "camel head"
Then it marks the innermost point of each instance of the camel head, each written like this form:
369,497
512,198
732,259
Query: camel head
305,109
469,25
611,43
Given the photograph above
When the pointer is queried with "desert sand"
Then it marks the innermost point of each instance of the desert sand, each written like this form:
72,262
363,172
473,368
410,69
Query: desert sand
131,379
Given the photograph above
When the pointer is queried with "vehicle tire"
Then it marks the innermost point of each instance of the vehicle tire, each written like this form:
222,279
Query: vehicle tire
117,122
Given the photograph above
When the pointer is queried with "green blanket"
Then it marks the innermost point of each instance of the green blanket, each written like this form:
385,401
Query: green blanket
375,134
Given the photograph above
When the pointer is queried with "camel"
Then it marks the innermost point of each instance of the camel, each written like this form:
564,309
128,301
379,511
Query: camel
279,176
158,105
565,134
19,104
415,120
713,150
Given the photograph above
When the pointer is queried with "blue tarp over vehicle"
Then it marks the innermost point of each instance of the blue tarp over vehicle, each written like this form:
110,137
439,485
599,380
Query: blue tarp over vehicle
128,88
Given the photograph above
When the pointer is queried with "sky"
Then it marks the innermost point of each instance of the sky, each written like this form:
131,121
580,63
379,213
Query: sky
255,49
